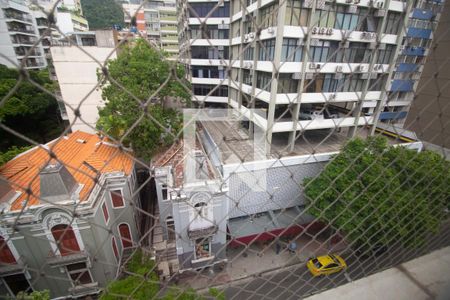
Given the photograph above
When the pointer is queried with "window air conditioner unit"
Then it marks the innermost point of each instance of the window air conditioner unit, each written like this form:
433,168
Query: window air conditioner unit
222,3
332,97
315,30
348,1
330,31
360,68
356,1
379,4
249,90
270,30
246,38
352,9
297,76
339,69
251,35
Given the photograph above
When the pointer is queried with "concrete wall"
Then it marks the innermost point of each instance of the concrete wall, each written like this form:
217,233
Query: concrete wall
430,112
77,76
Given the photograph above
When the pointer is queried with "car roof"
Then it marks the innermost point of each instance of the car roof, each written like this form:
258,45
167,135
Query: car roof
325,260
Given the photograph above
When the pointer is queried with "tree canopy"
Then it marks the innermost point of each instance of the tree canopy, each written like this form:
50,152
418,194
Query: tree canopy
380,194
102,14
29,110
142,70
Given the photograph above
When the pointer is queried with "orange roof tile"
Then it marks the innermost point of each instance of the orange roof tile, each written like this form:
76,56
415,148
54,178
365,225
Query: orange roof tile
79,152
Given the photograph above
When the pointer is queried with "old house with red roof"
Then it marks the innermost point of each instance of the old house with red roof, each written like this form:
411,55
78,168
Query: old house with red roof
67,216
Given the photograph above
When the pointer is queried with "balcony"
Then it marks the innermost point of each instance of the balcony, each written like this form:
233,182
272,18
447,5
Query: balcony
17,16
84,289
75,257
11,269
201,229
21,29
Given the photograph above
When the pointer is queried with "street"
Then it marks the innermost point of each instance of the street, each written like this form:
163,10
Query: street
296,282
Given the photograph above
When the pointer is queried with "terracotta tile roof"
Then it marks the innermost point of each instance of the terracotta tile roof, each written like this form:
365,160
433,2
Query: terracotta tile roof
82,153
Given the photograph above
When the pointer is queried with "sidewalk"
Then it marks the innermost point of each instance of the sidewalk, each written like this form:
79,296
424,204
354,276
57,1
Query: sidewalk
256,260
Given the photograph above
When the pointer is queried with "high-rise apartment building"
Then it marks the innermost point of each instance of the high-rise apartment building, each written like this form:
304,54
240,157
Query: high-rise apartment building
69,15
19,36
156,20
307,65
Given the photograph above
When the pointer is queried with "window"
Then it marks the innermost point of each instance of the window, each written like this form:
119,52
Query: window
267,50
205,89
65,239
125,235
114,247
332,265
105,212
263,80
385,55
79,273
319,52
17,283
6,256
269,15
286,84
324,18
203,9
117,199
202,248
296,15
248,52
291,51
164,191
394,21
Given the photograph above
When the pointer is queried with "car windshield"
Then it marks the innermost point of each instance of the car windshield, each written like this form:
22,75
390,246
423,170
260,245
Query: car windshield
317,263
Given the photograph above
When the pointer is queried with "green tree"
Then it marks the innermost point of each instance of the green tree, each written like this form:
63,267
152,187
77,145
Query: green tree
11,153
142,70
102,14
29,110
379,194
35,295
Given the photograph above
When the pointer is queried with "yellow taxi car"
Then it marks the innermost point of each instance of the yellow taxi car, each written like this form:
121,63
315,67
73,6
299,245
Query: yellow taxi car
325,265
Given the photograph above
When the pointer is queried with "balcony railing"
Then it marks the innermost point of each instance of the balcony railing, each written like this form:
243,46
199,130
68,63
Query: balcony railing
75,257
11,269
17,16
201,232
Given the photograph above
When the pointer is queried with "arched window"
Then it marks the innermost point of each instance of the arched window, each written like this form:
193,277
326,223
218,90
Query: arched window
114,246
202,209
65,239
6,256
125,235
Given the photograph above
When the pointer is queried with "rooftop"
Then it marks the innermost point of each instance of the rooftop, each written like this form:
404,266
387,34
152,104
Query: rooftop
84,155
236,146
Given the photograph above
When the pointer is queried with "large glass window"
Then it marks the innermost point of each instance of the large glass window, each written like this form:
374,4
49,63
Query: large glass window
319,51
324,18
263,80
207,72
65,239
202,9
296,15
248,52
208,32
394,21
267,50
385,55
291,50
269,15
203,52
205,89
286,84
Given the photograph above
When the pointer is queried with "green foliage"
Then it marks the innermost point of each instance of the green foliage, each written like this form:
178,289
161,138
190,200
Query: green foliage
36,295
142,70
11,153
30,111
102,14
142,283
378,194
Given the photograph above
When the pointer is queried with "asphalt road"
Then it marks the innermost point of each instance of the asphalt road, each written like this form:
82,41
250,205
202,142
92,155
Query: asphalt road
296,282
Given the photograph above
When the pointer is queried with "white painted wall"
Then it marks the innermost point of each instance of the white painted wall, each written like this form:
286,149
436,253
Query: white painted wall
77,77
